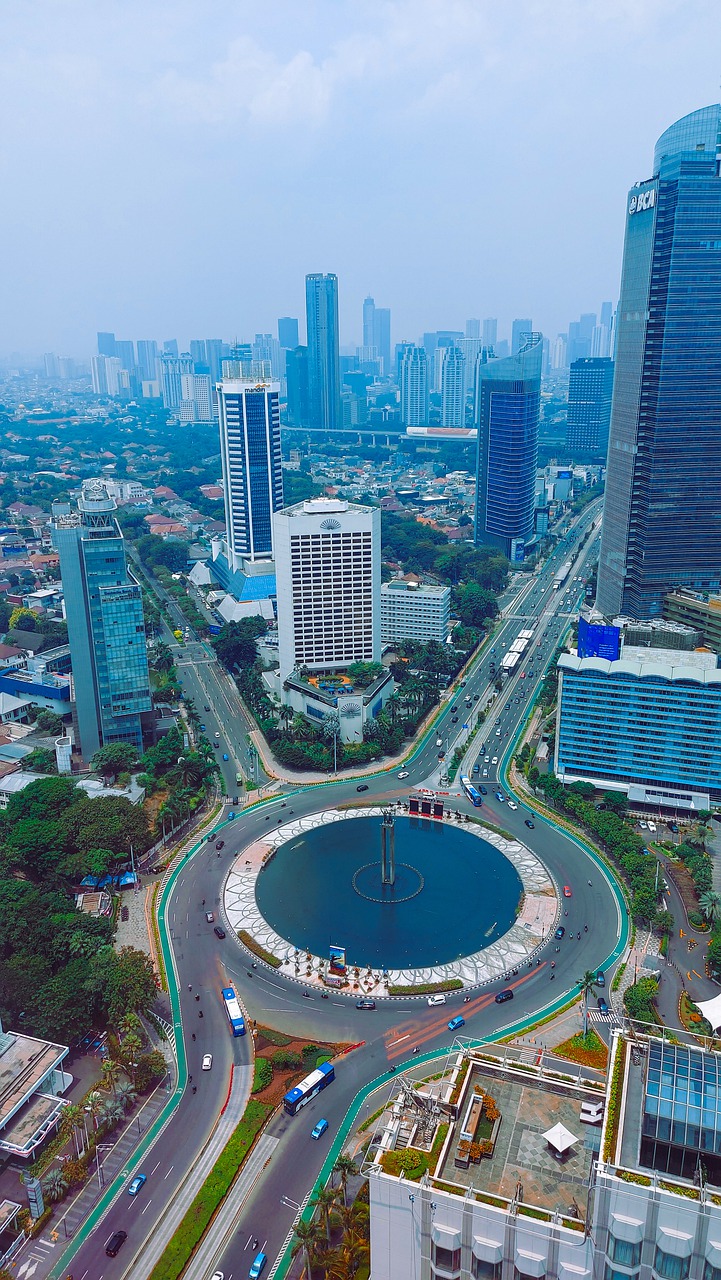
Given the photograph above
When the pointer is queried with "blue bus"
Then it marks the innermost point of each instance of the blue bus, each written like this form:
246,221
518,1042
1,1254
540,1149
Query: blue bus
308,1088
472,792
232,1009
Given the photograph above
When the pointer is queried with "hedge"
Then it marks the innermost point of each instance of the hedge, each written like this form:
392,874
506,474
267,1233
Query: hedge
262,1074
249,941
427,988
178,1251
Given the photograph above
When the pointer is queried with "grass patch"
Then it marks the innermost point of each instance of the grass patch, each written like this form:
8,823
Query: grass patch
274,1037
162,976
588,1050
178,1251
262,1075
427,988
412,1162
267,956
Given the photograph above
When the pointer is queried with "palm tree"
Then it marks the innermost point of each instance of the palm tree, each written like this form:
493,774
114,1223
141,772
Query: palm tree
354,1250
111,1113
324,1200
285,713
307,1242
55,1184
73,1122
587,987
111,1074
710,904
346,1167
126,1095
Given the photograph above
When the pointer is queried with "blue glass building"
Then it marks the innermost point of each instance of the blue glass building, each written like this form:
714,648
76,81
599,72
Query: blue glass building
321,308
507,402
648,724
252,467
104,611
662,517
590,390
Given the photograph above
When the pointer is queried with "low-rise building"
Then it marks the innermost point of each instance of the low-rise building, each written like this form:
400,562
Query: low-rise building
505,1168
648,724
31,1080
695,611
412,610
319,697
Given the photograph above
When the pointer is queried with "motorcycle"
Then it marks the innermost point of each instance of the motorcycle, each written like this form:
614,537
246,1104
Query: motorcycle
324,995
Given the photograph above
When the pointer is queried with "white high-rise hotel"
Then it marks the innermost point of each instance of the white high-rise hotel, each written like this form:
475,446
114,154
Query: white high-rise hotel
414,387
327,558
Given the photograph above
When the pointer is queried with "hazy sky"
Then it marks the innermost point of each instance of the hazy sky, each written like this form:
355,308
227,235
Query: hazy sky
175,167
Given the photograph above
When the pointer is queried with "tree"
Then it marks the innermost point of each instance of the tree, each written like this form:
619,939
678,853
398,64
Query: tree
639,999
115,758
23,619
49,722
54,1184
151,1067
133,986
587,987
235,644
475,605
664,923
111,822
710,904
111,1074
324,1201
346,1167
45,799
41,760
126,1095
307,1241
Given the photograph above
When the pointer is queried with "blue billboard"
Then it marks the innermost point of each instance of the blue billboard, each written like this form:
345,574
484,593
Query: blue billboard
598,641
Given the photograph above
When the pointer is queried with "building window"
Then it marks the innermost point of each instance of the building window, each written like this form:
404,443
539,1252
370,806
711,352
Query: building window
669,1266
625,1252
611,1274
710,1272
446,1261
482,1270
523,1275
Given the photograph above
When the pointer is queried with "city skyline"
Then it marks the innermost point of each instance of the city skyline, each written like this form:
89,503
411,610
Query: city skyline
148,125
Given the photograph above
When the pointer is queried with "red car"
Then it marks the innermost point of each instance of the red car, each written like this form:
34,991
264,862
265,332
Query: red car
567,891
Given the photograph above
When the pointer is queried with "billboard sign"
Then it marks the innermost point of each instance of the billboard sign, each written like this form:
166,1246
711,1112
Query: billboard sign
337,960
598,641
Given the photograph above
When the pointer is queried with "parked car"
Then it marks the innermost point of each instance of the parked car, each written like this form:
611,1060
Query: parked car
124,913
319,1129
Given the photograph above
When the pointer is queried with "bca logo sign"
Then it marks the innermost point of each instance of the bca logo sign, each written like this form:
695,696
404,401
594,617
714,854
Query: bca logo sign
646,200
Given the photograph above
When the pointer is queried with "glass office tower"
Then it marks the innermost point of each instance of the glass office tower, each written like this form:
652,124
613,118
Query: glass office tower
252,472
590,389
508,394
321,305
662,516
104,611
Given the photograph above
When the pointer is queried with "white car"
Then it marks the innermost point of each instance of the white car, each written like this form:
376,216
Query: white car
652,826
438,998
403,773
207,1061
498,733
494,760
512,804
643,826
486,759
485,773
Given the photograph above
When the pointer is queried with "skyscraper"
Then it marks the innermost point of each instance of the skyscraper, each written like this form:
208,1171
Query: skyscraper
473,328
327,555
125,351
453,396
252,472
519,330
104,611
369,311
662,513
288,333
377,333
199,351
414,387
490,332
298,388
106,344
508,396
172,369
214,356
148,359
321,305
590,387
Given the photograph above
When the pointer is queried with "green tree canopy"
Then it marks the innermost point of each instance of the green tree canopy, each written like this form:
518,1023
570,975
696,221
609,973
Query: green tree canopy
115,758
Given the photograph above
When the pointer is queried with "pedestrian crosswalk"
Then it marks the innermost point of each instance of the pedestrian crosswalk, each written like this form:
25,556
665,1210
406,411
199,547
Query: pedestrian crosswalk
595,1016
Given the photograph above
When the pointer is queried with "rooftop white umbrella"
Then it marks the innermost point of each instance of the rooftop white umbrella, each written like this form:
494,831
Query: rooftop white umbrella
711,1011
560,1139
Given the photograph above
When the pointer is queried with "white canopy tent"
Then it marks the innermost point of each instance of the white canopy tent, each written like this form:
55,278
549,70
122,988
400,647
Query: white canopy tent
560,1139
711,1011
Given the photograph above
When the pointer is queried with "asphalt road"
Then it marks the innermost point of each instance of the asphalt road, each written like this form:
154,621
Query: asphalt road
395,1028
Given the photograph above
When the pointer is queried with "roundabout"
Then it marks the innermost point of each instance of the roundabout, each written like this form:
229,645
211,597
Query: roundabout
442,901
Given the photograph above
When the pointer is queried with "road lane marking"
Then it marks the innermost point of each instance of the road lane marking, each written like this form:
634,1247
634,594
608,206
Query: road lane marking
170,1170
147,1206
152,1171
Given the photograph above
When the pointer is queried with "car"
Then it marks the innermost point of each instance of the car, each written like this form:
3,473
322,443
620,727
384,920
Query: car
216,746
403,774
124,913
454,719
500,797
455,1023
502,996
494,760
258,1265
529,823
523,675
218,1275
116,1241
452,710
210,917
438,998
483,790
485,773
231,815
643,826
219,933
136,1184
476,696
487,759
206,708
602,1006
319,1129
441,755
600,978
363,787
560,932
652,826
220,844
365,1003
225,756
207,1062
512,804
476,770
498,733
673,826
202,728
567,891
462,684
217,735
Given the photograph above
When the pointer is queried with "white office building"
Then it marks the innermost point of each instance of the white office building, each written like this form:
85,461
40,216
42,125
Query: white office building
452,387
327,557
196,404
414,611
414,387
